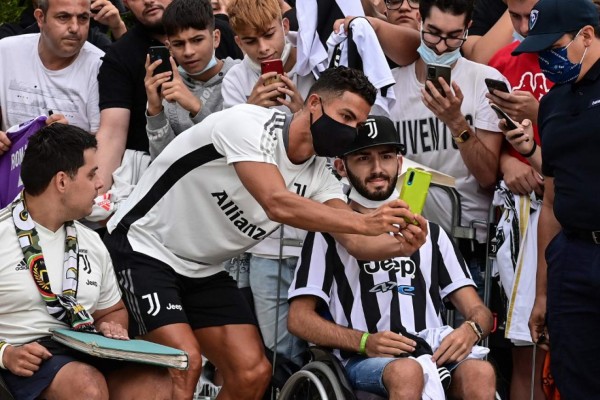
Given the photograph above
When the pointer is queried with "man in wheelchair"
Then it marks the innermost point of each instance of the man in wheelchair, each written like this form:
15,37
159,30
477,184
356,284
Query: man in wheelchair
383,312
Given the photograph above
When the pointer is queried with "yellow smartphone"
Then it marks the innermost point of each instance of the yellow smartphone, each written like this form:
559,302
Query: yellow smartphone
415,187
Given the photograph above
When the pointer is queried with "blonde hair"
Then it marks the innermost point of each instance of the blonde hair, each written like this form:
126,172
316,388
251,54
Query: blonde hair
255,15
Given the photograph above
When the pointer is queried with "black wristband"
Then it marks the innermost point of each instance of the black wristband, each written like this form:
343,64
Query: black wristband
533,149
352,20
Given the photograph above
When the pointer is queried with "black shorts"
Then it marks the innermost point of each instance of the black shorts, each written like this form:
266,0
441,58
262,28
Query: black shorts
29,388
156,295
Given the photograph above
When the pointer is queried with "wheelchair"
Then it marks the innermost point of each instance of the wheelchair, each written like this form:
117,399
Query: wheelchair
323,378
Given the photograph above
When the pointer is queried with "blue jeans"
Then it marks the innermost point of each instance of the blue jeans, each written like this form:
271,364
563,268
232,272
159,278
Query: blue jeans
366,374
573,316
263,282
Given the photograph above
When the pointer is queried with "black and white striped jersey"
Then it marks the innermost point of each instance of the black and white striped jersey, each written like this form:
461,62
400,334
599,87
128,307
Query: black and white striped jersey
404,293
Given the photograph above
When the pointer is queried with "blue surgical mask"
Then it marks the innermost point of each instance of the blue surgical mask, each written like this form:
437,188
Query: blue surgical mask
429,56
557,67
518,37
211,63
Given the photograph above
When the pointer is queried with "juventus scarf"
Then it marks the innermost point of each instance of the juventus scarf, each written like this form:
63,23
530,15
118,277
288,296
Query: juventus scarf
63,307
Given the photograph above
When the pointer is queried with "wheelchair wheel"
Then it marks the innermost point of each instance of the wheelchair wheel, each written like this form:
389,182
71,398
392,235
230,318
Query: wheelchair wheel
303,385
328,379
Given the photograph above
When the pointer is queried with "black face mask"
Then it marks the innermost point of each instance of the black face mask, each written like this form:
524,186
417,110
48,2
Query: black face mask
330,137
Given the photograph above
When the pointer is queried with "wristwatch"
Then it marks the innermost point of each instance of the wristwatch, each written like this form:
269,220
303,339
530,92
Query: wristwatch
476,328
461,137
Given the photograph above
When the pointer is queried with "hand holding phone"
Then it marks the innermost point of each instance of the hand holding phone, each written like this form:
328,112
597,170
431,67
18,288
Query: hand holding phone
494,84
275,65
510,124
163,54
415,187
435,71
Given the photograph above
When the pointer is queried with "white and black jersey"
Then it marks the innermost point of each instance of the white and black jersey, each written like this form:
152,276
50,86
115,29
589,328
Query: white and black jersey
404,293
191,211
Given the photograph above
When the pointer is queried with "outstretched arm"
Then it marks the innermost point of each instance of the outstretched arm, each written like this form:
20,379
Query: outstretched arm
266,185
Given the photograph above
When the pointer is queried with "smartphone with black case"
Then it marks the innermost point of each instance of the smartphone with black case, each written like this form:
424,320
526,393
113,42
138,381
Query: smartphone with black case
415,187
494,84
510,124
160,53
435,71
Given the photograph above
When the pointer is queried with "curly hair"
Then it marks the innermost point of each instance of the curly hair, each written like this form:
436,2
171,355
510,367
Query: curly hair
335,81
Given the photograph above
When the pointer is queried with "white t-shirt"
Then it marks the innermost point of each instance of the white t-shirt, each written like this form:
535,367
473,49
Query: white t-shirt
191,211
241,79
23,313
28,89
428,141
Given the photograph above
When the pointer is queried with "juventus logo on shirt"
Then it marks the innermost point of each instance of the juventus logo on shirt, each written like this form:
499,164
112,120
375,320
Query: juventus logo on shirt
370,123
85,262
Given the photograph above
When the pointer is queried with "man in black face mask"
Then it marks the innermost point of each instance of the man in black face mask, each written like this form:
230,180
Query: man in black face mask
218,189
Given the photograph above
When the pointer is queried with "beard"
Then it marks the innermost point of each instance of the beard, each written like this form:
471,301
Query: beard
376,194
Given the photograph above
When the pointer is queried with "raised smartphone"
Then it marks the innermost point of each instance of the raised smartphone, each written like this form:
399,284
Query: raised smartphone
510,124
435,71
160,53
270,66
494,84
415,187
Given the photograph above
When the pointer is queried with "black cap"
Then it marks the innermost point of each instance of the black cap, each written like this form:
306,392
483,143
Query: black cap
551,19
375,131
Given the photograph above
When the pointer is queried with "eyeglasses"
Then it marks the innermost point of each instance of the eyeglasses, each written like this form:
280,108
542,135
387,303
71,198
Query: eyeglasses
396,4
433,39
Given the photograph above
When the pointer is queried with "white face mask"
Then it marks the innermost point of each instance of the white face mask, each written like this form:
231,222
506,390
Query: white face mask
363,201
211,63
429,56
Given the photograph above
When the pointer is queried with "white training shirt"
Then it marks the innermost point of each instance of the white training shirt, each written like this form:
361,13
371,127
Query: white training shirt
190,209
23,313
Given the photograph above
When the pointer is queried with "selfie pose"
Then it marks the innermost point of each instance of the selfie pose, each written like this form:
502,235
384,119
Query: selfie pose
385,311
454,130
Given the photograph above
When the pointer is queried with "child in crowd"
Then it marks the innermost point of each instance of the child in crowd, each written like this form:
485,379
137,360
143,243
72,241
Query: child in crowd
263,35
179,99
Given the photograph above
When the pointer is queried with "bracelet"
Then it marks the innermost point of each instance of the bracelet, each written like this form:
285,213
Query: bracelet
530,153
475,329
363,343
3,346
